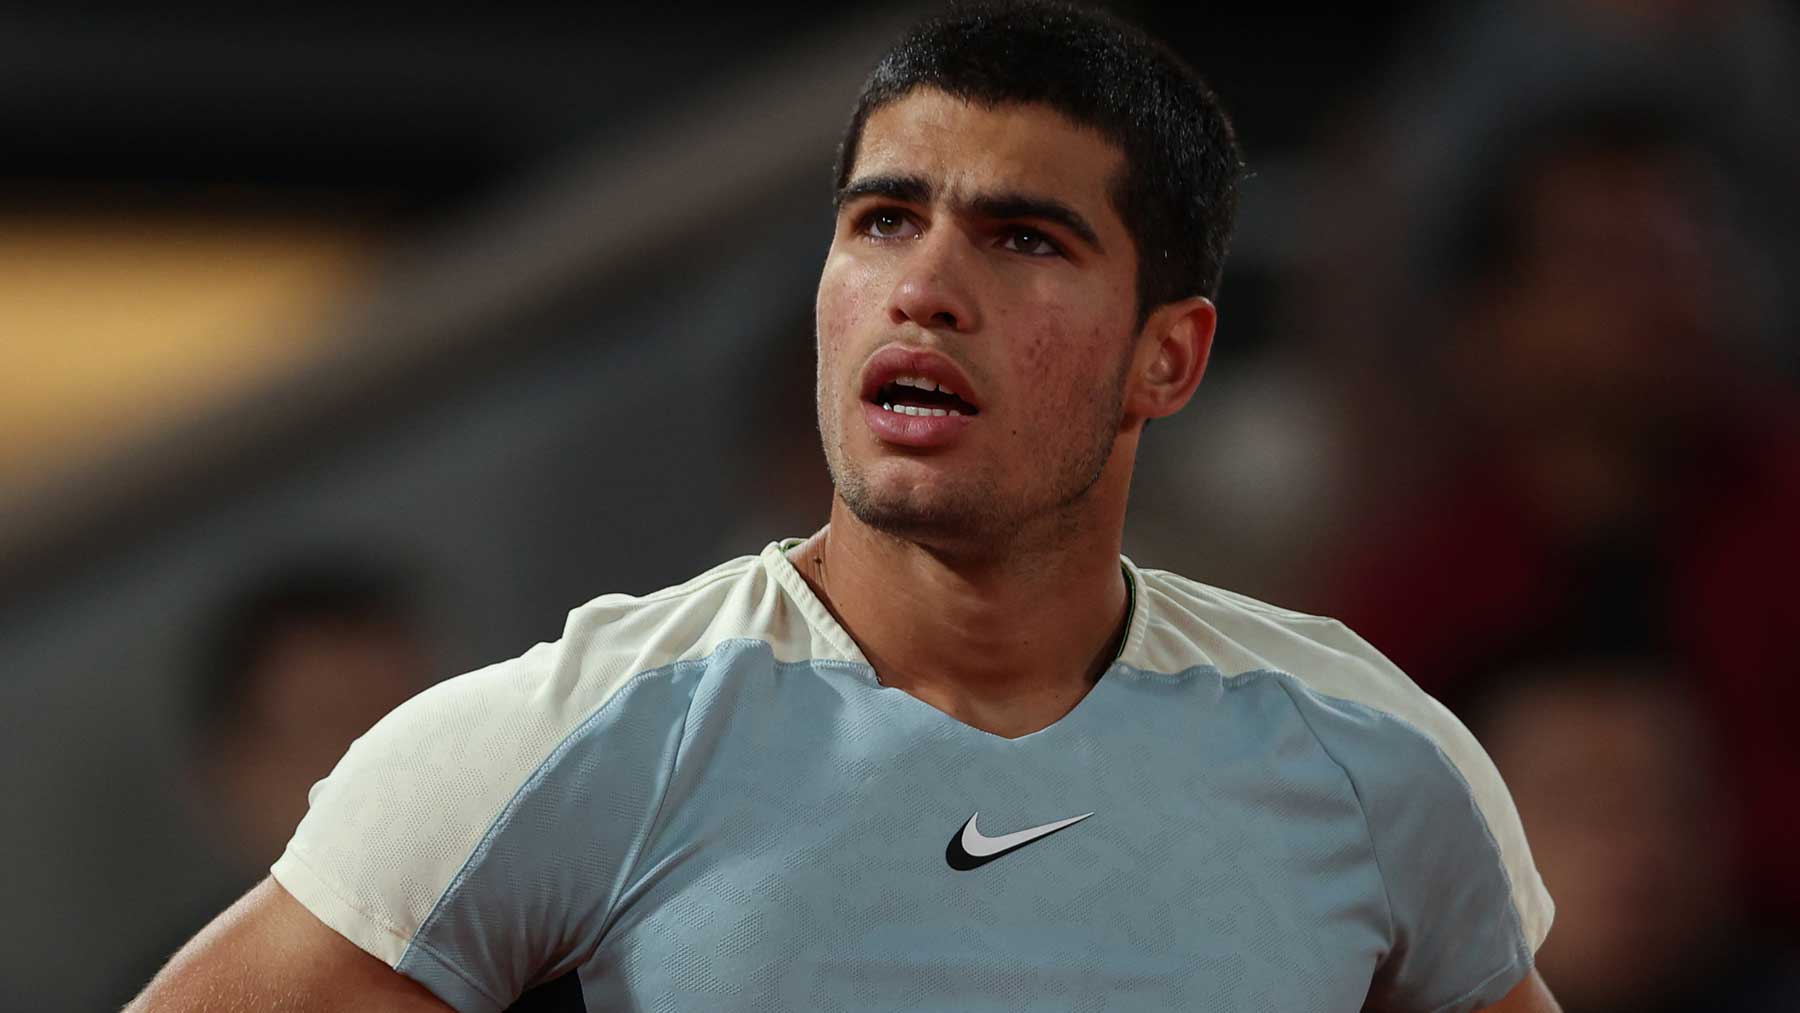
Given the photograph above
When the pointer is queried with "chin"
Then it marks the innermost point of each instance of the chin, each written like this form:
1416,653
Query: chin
909,512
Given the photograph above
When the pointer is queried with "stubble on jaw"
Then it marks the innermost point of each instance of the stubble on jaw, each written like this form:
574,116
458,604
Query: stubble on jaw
969,513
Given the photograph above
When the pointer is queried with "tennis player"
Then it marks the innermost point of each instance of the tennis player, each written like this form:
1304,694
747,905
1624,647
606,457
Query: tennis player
952,751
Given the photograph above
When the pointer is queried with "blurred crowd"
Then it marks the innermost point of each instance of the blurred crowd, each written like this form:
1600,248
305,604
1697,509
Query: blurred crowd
1530,427
293,664
1544,358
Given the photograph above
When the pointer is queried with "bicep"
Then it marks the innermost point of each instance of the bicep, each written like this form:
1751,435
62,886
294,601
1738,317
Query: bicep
1528,996
267,951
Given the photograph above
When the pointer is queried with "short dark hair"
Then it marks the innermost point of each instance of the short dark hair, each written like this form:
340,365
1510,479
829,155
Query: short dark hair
1177,194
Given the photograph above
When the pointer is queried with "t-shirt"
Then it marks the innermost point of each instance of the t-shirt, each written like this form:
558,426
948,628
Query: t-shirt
705,798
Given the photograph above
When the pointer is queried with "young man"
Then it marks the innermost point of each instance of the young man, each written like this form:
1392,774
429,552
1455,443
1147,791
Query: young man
952,751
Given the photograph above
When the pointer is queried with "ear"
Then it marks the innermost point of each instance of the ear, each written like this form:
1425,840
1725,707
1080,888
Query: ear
1171,357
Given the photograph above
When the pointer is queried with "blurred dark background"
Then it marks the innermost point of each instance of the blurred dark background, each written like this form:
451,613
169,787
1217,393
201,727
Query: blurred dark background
343,349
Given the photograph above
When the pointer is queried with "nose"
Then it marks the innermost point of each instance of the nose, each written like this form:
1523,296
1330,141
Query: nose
934,288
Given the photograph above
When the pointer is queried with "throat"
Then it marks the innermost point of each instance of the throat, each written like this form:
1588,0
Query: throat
1003,689
1003,651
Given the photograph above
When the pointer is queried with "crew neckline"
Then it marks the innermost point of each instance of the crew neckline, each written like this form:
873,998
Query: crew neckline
775,557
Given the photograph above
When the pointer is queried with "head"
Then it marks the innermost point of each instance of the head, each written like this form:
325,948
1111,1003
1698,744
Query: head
1034,203
302,660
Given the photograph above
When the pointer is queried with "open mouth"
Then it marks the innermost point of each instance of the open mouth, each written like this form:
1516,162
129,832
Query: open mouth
915,395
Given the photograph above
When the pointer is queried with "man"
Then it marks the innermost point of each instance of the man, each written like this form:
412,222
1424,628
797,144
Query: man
737,793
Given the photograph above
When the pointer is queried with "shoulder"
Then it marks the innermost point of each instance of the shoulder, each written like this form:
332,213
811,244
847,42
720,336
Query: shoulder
1329,671
616,636
616,651
616,640
518,709
1183,623
1394,741
420,801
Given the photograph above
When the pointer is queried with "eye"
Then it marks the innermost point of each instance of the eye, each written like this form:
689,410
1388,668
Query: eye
1031,242
887,223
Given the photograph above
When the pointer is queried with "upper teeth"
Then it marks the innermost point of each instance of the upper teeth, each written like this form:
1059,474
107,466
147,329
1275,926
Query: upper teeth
921,383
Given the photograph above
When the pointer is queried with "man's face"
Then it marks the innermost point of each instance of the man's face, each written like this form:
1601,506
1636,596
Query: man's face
976,250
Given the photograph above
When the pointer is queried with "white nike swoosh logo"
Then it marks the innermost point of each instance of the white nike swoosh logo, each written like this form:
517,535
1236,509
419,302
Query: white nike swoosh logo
979,845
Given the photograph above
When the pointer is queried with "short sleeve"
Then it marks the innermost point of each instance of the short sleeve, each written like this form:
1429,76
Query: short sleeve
1466,916
476,838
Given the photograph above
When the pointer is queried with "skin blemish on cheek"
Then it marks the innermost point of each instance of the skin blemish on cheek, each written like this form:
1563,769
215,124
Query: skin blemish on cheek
840,305
837,311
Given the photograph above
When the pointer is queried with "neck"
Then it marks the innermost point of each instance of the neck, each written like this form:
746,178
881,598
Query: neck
1008,643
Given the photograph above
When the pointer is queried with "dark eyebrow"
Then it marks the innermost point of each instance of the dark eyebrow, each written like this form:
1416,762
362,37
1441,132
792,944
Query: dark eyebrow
1018,205
917,190
906,189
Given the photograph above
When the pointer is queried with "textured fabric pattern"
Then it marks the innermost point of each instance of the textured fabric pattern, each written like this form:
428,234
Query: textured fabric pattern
1182,618
706,799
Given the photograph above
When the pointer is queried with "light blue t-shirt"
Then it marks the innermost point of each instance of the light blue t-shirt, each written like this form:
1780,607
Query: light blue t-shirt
705,799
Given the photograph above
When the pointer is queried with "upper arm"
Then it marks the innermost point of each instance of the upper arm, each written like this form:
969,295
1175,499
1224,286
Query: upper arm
476,839
1441,830
1528,996
268,951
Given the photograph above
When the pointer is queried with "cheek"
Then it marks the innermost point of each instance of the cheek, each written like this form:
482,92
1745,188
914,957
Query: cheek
840,314
845,299
1070,353
1071,327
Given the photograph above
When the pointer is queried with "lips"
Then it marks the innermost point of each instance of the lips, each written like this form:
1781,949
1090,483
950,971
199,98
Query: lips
922,377
917,399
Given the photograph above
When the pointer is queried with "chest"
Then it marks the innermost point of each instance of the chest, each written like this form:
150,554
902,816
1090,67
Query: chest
823,871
